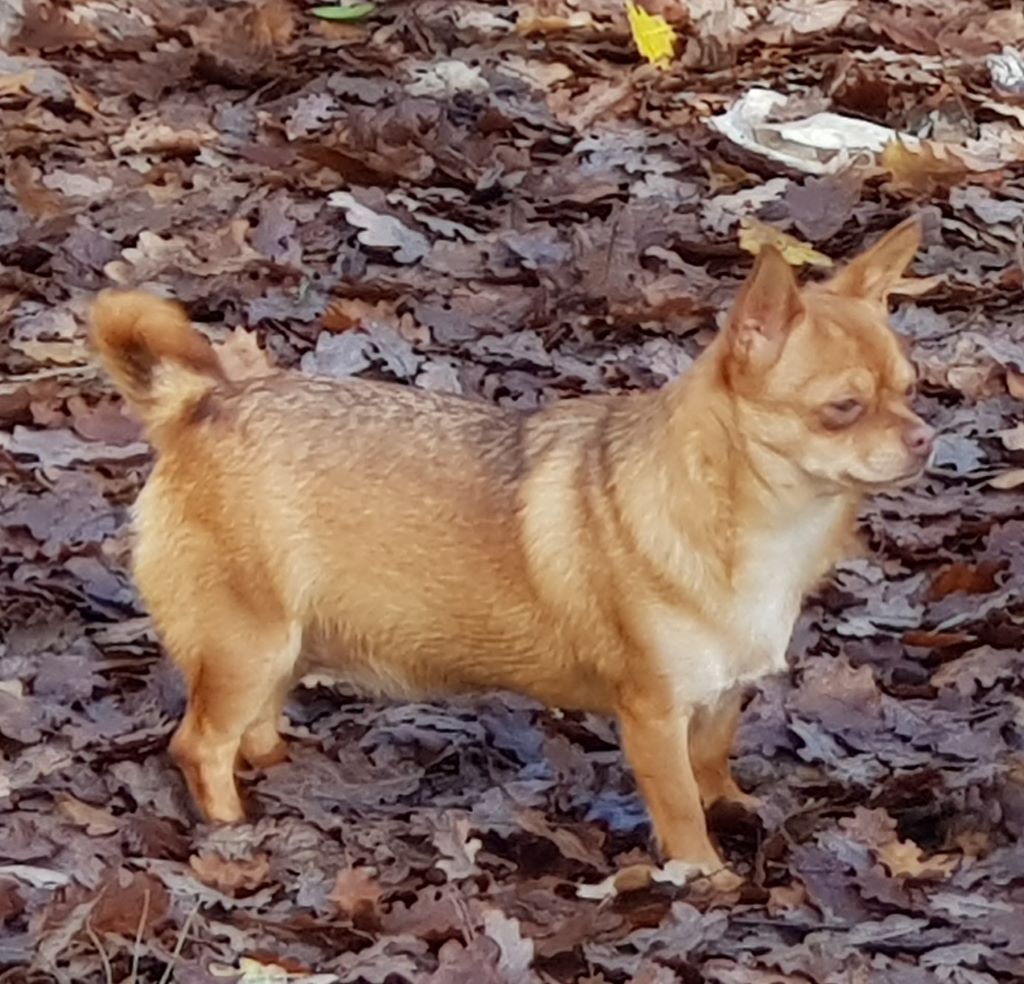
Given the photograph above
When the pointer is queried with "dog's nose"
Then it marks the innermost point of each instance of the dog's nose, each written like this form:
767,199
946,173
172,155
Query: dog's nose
919,439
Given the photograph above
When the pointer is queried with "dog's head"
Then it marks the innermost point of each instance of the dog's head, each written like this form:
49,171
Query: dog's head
819,376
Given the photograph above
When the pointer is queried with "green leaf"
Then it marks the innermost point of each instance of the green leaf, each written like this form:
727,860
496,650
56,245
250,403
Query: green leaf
346,12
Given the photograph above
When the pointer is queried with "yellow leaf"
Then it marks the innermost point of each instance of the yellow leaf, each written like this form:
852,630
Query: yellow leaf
755,235
925,169
655,38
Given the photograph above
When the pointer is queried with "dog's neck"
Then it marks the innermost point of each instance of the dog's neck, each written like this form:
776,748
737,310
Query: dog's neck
727,498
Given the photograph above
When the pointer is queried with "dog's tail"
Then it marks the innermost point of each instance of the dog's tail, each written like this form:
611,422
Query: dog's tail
157,360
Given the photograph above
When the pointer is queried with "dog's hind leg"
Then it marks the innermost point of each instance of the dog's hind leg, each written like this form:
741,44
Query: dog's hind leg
262,744
238,675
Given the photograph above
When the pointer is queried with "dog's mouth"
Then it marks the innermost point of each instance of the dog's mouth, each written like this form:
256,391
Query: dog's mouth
900,481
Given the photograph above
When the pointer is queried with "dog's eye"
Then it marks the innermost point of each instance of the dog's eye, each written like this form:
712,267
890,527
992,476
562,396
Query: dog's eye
842,413
911,391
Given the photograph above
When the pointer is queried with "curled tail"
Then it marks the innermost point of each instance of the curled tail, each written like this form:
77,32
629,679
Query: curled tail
157,360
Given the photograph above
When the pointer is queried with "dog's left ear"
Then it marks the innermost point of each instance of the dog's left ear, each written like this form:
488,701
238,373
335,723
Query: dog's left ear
766,310
879,270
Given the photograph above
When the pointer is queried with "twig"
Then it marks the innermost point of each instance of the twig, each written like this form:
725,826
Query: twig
108,971
136,950
165,977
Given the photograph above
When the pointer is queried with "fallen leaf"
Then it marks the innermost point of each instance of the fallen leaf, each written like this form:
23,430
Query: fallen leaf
906,859
355,890
459,850
231,875
924,170
959,578
810,16
33,197
242,358
270,24
1008,479
130,901
654,37
1012,437
382,231
755,235
93,819
516,951
344,12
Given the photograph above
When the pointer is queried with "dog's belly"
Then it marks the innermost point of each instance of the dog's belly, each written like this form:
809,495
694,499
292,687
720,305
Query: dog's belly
412,660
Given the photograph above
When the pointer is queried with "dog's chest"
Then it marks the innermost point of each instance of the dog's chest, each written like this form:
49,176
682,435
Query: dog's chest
745,634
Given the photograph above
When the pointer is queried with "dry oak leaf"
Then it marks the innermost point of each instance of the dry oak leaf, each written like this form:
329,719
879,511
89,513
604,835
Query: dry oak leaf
533,22
969,579
355,890
1008,480
270,24
754,236
229,876
33,197
129,902
922,170
810,16
93,819
149,134
905,858
241,357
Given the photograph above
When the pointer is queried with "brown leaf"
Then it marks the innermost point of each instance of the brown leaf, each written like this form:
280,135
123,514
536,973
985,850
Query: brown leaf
242,358
786,898
36,200
105,421
12,905
95,820
270,24
969,579
356,890
905,858
128,900
923,170
228,875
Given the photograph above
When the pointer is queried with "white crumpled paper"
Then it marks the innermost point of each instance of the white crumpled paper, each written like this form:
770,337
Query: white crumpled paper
824,143
827,143
1007,71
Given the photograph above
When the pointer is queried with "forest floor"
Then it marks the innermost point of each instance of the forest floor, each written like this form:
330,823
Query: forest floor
504,200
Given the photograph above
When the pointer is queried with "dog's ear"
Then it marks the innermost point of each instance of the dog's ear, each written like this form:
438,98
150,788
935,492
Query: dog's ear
879,270
767,308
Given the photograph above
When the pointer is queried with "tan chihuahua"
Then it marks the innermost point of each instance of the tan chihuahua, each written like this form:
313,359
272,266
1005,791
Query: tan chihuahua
641,555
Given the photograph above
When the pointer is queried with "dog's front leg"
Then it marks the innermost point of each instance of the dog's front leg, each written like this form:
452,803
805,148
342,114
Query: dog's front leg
655,737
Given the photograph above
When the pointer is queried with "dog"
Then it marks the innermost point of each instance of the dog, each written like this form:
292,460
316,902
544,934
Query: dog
643,555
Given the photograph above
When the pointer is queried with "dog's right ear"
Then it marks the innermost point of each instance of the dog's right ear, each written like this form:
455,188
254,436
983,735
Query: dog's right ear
880,270
767,308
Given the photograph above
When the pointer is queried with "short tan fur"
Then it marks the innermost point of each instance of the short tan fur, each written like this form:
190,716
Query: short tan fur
639,555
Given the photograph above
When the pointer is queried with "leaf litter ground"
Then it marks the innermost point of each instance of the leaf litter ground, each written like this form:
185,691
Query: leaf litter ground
501,200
